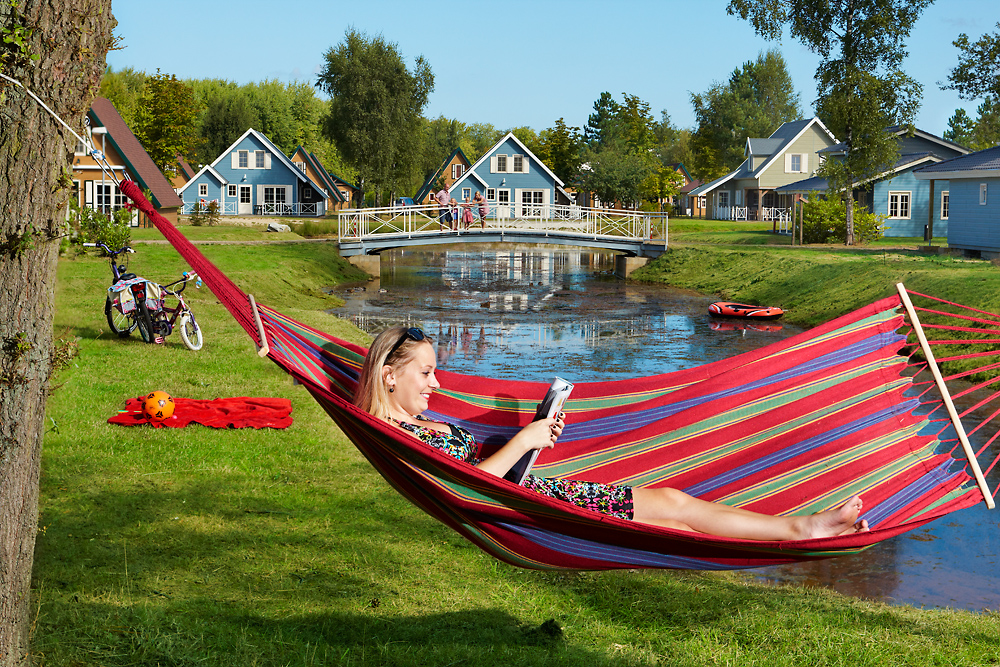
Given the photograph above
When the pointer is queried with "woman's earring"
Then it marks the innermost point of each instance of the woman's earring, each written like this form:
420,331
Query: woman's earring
392,389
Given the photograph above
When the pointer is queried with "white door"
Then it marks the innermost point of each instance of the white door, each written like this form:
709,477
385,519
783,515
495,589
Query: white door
245,204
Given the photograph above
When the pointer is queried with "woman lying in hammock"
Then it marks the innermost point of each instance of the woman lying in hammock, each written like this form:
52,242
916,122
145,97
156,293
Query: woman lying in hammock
397,380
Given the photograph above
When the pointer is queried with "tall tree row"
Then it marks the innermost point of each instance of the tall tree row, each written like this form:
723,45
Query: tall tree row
57,50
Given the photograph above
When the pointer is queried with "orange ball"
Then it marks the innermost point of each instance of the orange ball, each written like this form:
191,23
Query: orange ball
159,405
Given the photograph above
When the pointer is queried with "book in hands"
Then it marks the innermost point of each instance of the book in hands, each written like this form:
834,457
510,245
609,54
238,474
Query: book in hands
550,406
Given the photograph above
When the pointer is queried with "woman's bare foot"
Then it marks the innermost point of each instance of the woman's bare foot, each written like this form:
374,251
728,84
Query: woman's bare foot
840,521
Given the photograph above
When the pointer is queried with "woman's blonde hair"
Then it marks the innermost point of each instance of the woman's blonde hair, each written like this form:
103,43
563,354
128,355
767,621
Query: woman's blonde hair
372,394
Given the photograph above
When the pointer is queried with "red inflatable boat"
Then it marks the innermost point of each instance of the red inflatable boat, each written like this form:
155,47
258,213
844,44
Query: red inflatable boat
744,311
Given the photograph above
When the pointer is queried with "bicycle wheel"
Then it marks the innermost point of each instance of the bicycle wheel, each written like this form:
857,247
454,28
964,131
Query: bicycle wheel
144,322
190,331
120,323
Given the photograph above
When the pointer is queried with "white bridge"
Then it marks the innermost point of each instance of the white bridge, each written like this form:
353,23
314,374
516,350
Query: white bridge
369,231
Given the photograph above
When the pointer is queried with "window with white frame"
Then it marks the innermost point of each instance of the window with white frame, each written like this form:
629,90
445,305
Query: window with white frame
258,159
982,194
243,159
899,205
531,202
491,194
702,202
501,164
457,170
274,195
466,194
796,163
518,164
81,148
230,190
202,189
724,199
944,205
301,166
503,196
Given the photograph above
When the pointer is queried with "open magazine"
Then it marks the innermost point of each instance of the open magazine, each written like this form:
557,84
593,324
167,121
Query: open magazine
550,406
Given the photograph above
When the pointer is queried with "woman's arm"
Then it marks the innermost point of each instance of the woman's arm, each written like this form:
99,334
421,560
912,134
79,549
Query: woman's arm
536,435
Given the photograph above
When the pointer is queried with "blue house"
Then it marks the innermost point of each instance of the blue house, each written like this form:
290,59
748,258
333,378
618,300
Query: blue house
515,183
908,204
974,200
253,177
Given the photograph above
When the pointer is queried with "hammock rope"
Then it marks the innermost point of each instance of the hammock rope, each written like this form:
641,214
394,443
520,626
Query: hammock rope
796,427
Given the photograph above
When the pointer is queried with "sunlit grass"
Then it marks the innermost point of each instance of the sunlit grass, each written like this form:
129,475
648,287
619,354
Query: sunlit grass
199,546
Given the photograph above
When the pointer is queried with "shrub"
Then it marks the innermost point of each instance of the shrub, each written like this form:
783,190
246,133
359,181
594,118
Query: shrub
212,213
93,226
197,216
825,221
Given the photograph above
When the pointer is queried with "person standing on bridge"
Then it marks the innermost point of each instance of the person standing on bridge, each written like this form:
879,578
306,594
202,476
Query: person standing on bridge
483,207
443,198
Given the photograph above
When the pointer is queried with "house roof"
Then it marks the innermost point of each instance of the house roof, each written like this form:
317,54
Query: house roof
274,151
788,133
711,185
900,130
691,186
486,156
432,179
207,168
187,171
310,159
981,164
812,184
820,184
767,146
137,160
679,166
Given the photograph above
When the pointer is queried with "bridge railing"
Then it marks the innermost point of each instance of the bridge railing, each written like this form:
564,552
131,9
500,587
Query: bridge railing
362,223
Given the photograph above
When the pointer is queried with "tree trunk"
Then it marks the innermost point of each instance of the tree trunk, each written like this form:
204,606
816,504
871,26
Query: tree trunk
849,213
71,38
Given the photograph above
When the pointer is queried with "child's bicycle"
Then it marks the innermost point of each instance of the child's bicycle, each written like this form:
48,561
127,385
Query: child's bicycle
119,307
156,320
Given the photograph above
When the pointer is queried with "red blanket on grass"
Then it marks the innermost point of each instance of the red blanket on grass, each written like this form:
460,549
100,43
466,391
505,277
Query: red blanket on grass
239,412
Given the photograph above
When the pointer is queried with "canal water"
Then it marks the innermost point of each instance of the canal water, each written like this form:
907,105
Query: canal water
531,313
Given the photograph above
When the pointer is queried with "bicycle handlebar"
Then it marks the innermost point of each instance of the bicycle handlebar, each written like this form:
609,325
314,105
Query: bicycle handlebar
112,253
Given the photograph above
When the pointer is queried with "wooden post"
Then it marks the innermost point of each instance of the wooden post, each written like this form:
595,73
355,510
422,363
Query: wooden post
948,404
930,214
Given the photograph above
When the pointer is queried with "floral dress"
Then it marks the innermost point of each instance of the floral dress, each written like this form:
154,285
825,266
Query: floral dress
610,499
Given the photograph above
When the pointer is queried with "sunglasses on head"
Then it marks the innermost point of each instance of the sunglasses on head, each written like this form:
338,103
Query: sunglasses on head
413,333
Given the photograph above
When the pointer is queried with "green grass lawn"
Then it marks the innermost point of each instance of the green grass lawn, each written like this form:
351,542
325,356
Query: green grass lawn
221,232
751,232
199,546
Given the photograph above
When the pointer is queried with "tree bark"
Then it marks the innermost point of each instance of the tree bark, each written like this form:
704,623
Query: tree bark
71,38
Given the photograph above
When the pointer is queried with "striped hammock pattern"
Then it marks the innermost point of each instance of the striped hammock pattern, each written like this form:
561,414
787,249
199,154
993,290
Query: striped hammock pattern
794,428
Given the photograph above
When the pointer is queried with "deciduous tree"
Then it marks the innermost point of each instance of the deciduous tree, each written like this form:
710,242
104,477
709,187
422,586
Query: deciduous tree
977,76
60,55
560,150
862,88
375,108
754,102
165,121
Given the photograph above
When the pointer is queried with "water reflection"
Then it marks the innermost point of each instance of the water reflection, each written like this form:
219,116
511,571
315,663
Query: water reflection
531,314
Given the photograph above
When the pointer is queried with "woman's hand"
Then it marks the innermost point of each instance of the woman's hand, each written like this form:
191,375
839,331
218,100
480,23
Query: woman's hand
540,434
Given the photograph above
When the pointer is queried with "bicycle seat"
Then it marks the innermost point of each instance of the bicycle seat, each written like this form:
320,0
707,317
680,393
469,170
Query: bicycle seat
127,276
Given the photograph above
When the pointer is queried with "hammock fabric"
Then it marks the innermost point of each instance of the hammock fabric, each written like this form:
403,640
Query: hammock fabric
239,412
794,428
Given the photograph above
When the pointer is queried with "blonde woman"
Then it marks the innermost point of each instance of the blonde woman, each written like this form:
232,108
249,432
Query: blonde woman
398,380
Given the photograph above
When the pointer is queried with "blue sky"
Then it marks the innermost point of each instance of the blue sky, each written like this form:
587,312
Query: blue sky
517,62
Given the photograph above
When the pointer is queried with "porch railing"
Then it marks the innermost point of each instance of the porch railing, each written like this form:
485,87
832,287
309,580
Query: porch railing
232,208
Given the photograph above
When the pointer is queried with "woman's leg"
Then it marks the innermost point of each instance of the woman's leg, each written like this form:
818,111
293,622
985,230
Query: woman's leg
675,509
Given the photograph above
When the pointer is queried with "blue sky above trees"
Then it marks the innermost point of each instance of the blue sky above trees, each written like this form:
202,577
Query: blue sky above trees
518,63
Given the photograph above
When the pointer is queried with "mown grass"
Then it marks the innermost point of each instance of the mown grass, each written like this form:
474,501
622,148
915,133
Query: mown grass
238,547
751,232
221,232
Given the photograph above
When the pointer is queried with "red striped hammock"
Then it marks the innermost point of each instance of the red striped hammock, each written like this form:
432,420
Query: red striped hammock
796,427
